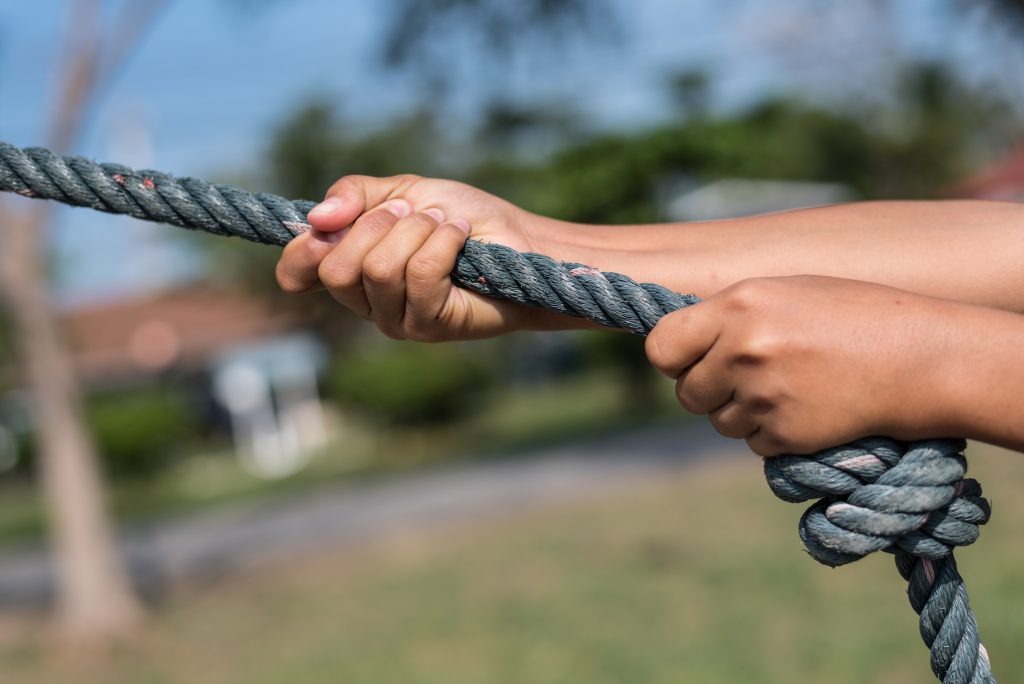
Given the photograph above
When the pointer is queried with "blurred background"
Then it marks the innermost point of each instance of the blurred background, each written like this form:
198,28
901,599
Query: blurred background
203,480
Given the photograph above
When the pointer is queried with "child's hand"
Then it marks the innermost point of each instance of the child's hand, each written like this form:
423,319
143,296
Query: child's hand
798,364
384,247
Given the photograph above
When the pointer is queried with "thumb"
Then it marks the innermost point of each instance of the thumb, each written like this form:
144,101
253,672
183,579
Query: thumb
353,196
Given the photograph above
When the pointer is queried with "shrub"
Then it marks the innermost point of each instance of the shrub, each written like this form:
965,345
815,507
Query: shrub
406,382
138,433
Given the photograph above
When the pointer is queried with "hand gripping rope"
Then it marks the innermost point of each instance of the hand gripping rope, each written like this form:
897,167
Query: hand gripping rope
910,499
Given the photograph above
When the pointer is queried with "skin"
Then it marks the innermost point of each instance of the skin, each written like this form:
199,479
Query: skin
819,326
800,363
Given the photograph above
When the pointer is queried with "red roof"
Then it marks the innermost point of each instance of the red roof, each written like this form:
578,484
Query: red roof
184,327
1002,181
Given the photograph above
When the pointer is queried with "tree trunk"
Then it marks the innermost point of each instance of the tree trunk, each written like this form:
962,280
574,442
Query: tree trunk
95,599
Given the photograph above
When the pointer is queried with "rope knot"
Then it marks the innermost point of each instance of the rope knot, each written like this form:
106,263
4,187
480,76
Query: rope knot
882,495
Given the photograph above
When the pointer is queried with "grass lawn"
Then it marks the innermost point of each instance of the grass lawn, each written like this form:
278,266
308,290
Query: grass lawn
697,577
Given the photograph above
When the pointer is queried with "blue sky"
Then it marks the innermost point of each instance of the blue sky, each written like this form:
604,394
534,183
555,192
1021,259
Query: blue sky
210,81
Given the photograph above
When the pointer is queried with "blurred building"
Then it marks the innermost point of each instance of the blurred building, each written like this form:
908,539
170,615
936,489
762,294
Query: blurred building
245,363
1002,181
736,197
122,341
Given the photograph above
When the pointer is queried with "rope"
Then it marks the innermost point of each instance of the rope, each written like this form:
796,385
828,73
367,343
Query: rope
910,499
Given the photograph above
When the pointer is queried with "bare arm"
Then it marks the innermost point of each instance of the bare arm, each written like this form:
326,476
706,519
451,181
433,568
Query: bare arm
984,371
968,251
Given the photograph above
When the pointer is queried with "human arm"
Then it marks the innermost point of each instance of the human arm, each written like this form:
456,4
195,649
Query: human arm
966,251
961,250
797,364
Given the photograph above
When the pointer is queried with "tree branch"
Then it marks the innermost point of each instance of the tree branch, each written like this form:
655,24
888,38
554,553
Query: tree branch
135,22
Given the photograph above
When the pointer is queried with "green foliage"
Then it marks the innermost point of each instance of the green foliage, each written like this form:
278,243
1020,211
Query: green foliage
639,383
928,135
410,383
315,146
931,133
138,433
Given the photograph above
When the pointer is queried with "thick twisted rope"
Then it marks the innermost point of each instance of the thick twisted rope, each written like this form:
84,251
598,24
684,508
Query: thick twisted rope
872,495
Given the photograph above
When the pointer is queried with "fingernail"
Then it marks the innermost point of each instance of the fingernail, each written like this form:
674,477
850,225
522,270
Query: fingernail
327,207
399,208
462,225
435,214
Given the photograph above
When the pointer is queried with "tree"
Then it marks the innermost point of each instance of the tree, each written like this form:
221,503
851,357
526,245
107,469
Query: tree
690,90
95,598
494,30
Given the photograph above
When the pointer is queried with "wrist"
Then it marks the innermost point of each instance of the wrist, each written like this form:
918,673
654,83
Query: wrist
960,375
981,376
565,240
934,379
681,257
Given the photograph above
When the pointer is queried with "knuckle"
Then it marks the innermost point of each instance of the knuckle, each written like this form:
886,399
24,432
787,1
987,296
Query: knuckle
391,329
747,294
453,233
287,284
761,345
728,425
659,347
351,182
404,180
765,443
297,258
654,348
762,448
291,287
421,268
338,274
376,221
724,429
307,249
391,332
419,219
378,269
418,331
688,399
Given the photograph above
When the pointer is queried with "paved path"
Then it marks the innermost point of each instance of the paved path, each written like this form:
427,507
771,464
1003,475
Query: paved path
210,544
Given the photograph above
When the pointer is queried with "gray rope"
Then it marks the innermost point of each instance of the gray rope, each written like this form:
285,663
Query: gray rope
910,499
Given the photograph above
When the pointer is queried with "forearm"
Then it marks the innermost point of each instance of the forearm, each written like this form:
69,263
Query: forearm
982,383
967,251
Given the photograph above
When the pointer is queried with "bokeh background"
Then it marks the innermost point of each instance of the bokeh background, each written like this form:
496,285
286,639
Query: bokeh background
203,480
